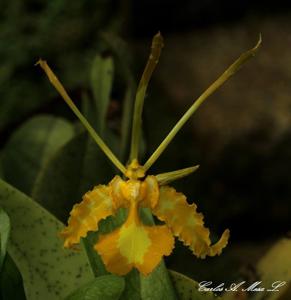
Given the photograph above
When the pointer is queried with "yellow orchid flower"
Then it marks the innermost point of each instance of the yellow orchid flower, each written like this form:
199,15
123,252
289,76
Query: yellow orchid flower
134,244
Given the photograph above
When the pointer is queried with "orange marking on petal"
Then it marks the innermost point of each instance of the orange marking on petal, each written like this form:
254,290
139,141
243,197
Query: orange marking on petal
96,205
186,223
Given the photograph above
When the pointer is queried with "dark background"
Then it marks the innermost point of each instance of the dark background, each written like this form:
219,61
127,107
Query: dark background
241,136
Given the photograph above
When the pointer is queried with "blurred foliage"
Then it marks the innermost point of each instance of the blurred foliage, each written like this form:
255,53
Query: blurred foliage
74,169
58,31
30,147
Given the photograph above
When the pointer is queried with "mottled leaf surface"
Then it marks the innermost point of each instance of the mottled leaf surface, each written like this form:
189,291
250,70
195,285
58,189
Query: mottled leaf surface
49,271
107,287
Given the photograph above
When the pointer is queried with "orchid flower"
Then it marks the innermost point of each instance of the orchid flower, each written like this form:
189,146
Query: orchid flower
134,244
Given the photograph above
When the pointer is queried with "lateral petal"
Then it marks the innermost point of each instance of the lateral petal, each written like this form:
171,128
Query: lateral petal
95,206
186,223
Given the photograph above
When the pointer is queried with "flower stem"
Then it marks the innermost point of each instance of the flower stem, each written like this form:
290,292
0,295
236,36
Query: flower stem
59,87
232,69
157,45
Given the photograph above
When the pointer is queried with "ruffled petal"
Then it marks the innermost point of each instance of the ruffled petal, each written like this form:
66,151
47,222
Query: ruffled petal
134,245
186,223
96,205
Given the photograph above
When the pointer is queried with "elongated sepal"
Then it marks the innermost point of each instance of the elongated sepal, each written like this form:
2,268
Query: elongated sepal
60,88
166,178
156,49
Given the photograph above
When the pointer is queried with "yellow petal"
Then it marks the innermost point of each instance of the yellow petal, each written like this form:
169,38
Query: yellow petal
134,245
186,223
96,205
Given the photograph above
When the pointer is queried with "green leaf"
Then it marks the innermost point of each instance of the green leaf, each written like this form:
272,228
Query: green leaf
4,234
49,271
11,283
31,146
101,82
107,287
187,288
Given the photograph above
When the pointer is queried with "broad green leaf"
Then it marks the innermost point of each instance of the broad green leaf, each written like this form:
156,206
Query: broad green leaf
49,271
11,283
4,234
31,146
101,82
275,266
187,288
107,287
